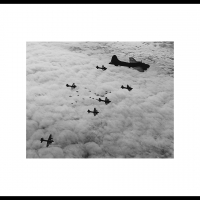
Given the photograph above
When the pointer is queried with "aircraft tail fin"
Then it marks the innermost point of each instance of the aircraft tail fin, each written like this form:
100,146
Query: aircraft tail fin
132,60
114,60
41,140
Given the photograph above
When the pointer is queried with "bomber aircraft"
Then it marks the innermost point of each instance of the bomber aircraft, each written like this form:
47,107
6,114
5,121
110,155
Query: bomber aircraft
103,68
140,66
107,101
128,87
49,141
95,112
72,86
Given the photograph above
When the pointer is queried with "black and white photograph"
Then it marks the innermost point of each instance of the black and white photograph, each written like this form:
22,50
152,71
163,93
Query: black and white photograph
100,99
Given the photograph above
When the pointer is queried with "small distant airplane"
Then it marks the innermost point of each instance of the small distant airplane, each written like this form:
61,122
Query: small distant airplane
72,86
49,141
133,64
95,112
128,87
107,101
103,68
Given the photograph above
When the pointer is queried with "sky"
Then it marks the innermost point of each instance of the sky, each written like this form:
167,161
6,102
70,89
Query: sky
136,124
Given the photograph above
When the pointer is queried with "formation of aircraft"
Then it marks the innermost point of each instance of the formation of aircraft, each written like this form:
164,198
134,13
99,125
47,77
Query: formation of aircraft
103,68
49,141
95,112
114,61
107,101
128,87
133,64
72,86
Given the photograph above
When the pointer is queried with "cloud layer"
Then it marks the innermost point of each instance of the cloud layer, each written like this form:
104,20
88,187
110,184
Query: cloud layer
136,124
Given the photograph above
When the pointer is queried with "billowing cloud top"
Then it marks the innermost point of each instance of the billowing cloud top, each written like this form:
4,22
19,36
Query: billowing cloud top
136,124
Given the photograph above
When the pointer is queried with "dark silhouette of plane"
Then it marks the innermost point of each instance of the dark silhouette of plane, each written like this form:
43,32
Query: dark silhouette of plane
128,87
49,141
103,68
134,64
95,112
72,86
107,101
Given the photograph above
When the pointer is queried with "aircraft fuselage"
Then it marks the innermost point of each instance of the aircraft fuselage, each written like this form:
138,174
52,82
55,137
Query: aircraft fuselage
107,101
131,65
136,65
103,68
48,140
128,88
72,86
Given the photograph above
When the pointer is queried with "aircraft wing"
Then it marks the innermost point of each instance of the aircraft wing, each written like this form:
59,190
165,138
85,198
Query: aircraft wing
128,87
50,137
95,113
48,143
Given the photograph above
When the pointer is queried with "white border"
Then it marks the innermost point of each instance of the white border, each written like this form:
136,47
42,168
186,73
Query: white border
128,177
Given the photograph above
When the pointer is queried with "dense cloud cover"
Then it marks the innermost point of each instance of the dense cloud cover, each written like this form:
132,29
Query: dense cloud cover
136,124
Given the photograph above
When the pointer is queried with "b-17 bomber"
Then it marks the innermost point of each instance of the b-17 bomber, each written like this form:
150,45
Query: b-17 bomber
107,101
49,141
95,112
103,68
138,65
72,86
128,87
